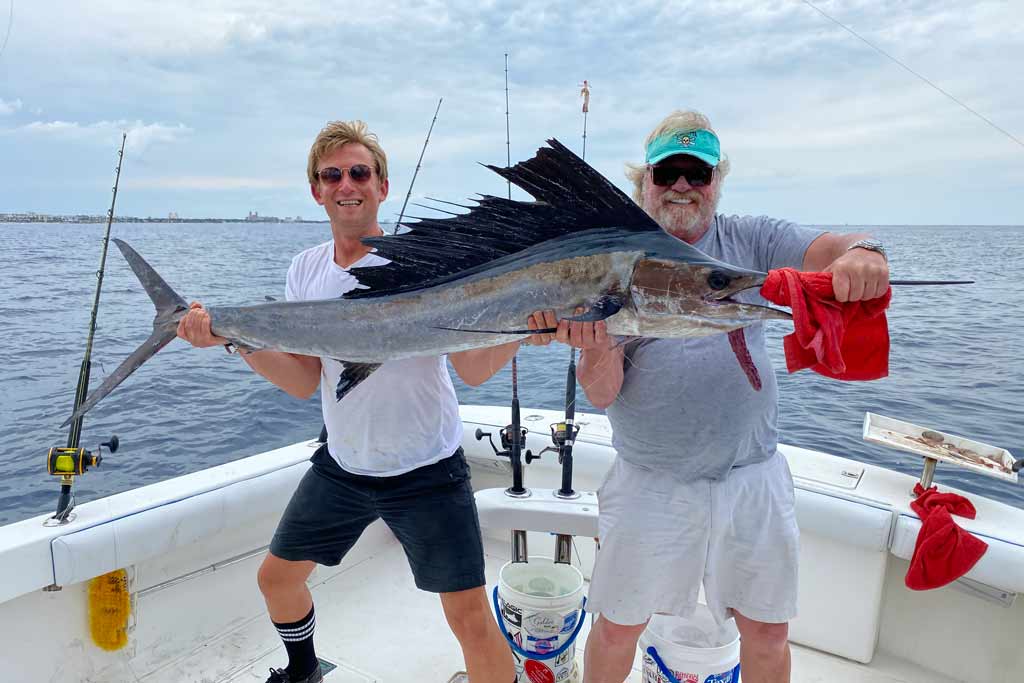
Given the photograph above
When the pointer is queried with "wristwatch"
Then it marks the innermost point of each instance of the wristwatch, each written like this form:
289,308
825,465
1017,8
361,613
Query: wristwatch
870,245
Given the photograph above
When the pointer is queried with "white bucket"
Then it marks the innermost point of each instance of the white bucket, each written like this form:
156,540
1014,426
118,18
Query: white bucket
692,650
538,603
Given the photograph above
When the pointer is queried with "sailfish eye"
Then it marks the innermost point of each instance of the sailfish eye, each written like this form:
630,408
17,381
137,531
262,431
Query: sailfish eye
718,280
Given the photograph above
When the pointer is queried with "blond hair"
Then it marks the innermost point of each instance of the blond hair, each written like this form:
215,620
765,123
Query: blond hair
338,133
677,120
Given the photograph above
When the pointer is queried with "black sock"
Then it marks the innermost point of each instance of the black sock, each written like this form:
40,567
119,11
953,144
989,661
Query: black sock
298,642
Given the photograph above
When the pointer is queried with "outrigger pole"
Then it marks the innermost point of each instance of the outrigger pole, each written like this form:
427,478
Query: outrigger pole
564,435
71,461
401,213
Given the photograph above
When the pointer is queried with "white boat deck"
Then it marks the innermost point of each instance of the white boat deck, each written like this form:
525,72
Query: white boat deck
192,545
375,625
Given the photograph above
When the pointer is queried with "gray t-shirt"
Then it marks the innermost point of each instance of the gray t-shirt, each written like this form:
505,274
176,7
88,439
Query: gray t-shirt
686,407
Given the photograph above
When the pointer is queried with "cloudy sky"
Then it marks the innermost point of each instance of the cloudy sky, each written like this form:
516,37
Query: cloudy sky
222,98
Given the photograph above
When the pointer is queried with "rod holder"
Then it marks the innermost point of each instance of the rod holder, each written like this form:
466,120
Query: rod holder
563,549
519,553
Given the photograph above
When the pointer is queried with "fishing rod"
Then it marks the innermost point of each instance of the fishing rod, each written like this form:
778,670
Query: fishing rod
917,75
73,460
513,435
931,282
516,434
418,163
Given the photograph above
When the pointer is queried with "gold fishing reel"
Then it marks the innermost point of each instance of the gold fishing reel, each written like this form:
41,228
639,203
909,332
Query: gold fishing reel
67,463
70,462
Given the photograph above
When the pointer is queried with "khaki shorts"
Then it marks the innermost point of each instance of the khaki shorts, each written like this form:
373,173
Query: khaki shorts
660,540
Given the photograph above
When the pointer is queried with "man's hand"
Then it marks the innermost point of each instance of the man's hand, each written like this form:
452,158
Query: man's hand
195,328
858,275
584,335
541,320
576,334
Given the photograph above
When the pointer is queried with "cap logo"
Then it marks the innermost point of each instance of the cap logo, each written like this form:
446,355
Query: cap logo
686,139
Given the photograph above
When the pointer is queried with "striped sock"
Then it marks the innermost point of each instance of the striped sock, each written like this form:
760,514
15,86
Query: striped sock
298,642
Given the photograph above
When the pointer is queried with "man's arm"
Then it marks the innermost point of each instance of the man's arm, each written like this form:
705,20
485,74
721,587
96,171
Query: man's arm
297,375
857,274
600,370
476,366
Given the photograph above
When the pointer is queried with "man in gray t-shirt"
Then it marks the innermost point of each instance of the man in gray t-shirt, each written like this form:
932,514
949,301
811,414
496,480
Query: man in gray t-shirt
699,494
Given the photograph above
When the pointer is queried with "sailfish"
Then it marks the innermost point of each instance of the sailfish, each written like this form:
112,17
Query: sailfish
472,279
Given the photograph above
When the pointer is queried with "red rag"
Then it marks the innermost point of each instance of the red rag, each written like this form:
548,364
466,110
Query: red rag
944,552
843,340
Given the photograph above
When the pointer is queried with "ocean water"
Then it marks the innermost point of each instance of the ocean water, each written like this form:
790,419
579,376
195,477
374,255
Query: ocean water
955,363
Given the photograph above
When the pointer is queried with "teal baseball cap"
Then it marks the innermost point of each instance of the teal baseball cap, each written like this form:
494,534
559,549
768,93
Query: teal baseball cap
699,143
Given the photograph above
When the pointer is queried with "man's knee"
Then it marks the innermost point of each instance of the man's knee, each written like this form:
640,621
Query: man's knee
760,636
618,635
276,575
468,613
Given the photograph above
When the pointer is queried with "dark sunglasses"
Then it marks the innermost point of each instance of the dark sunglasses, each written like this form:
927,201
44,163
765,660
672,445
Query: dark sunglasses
332,175
697,175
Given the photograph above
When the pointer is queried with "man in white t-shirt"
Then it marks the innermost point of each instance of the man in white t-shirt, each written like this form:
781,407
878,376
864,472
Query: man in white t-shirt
415,478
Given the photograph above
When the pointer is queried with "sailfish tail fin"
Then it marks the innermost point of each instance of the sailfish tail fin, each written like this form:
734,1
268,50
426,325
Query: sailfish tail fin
170,308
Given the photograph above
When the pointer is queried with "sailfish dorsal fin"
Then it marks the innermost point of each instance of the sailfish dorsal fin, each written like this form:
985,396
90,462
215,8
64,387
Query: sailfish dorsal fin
571,196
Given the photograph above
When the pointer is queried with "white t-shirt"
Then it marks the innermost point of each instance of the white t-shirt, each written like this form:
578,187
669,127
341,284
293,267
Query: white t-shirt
403,416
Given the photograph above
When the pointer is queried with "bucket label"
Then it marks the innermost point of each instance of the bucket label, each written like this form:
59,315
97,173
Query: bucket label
541,646
652,674
512,614
547,624
538,673
569,623
720,678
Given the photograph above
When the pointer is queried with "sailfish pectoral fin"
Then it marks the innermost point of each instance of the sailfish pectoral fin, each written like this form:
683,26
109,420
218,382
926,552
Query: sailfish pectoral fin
602,309
352,376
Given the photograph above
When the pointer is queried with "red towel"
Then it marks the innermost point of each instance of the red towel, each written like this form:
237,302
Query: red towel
944,552
843,340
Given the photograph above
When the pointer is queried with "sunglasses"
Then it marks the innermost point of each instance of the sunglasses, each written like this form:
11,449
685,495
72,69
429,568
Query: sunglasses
697,175
360,173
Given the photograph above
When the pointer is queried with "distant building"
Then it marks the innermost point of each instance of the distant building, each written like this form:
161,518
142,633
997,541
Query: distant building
172,216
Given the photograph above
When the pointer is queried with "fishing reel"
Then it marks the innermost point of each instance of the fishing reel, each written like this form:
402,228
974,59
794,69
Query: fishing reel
70,462
506,442
559,437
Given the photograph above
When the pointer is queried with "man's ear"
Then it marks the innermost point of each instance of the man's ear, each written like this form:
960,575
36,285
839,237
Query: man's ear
315,191
384,190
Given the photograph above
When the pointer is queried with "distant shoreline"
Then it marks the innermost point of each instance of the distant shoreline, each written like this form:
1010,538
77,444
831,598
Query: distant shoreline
86,220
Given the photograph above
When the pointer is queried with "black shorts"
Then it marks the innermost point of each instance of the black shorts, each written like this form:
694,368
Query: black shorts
430,509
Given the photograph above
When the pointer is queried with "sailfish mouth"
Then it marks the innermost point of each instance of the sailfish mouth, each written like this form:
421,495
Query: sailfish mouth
725,297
